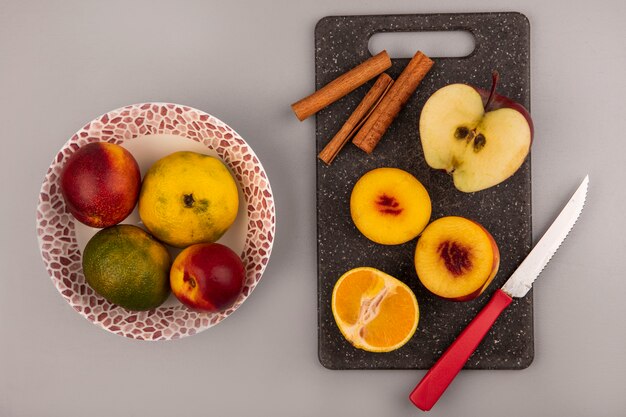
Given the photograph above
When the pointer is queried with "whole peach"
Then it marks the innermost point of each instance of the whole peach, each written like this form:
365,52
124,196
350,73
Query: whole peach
207,277
100,183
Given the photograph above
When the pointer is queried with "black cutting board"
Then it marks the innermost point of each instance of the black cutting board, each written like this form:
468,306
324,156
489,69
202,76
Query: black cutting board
502,43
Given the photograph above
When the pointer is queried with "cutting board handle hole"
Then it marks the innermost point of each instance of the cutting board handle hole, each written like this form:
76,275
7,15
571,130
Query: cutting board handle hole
435,44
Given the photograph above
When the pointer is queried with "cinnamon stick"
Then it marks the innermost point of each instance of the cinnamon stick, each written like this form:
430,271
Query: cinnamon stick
342,85
356,119
377,124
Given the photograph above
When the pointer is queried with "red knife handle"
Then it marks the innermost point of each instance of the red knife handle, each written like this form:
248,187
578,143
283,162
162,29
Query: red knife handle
437,379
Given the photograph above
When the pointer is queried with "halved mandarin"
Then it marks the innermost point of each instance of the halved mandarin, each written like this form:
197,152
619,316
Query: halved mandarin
456,258
374,311
389,206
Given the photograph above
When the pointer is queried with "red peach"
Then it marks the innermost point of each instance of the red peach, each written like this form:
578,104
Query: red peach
207,277
100,183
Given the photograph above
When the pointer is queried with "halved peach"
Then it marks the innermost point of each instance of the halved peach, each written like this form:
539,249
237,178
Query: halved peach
456,258
389,206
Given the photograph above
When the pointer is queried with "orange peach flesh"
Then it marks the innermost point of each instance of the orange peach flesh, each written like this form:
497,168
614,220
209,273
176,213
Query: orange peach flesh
456,258
389,206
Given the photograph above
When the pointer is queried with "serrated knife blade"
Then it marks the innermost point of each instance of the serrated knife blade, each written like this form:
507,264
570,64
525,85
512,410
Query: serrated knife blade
439,377
522,279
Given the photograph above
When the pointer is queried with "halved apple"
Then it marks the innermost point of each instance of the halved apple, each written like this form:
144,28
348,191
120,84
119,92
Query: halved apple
478,136
456,258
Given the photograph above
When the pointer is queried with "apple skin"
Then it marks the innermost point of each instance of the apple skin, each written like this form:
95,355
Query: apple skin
503,102
100,184
207,277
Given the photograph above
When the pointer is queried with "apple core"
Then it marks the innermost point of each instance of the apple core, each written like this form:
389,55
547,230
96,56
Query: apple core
477,136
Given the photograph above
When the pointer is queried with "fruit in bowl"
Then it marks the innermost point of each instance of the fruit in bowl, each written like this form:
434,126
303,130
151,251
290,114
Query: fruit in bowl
389,206
207,277
188,198
128,267
100,184
481,138
456,258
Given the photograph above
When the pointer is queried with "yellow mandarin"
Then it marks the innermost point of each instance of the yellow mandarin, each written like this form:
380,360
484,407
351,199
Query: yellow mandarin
188,198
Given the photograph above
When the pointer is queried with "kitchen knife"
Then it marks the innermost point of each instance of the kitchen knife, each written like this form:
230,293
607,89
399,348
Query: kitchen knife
437,379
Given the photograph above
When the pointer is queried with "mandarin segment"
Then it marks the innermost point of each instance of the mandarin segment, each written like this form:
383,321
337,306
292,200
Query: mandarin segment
356,287
389,206
374,311
394,321
456,258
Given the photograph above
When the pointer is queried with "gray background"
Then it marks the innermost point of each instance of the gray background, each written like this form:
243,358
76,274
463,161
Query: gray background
63,63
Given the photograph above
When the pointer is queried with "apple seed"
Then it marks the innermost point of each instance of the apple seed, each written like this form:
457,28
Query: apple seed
461,132
479,142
